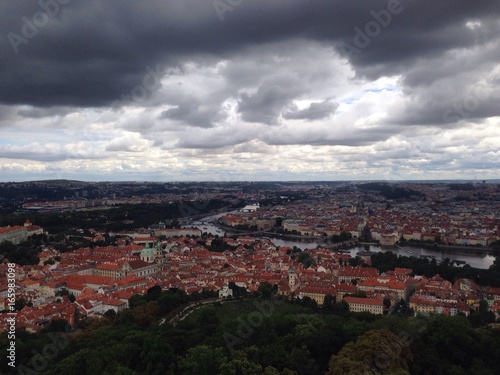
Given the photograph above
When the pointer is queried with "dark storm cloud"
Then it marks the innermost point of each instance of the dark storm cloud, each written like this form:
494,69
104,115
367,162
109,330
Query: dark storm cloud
191,112
471,94
38,113
314,111
324,137
92,53
266,105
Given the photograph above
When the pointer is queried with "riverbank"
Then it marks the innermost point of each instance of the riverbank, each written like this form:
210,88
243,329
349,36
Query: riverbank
444,248
481,259
287,236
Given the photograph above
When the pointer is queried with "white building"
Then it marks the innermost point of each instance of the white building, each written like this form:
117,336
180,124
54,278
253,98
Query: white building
225,292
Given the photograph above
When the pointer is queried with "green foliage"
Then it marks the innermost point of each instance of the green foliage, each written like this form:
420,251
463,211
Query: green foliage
341,308
23,254
136,300
329,302
267,290
305,259
308,302
359,294
116,218
145,314
343,236
386,261
390,191
238,291
283,338
57,325
202,360
218,245
482,316
376,351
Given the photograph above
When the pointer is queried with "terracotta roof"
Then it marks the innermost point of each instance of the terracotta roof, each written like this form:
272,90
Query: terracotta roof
4,230
109,266
136,264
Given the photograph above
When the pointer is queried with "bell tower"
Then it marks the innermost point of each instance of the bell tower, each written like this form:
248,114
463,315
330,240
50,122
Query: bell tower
292,279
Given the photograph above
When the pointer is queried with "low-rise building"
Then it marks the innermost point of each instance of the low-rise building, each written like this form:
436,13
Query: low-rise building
316,292
372,305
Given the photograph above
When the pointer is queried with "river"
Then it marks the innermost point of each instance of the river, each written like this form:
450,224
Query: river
209,224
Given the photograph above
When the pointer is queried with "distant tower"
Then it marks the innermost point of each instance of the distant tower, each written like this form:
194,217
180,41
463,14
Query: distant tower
268,264
158,253
292,279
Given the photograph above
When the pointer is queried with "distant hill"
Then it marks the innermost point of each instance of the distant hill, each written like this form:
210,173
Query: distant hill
59,182
390,191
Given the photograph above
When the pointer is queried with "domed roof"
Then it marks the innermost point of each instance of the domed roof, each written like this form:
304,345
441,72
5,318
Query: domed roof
147,251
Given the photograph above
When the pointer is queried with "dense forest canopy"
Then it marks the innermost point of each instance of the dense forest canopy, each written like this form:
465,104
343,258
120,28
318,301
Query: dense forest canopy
257,336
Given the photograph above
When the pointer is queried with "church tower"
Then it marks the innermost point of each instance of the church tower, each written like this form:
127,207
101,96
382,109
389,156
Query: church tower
159,254
292,279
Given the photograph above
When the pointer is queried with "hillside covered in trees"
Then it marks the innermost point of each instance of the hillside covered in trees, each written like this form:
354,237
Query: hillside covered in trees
256,336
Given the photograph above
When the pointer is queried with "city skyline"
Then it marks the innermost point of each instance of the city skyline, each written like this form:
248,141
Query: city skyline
249,90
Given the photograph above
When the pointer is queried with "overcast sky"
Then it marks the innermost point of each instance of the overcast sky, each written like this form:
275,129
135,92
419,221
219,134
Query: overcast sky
226,90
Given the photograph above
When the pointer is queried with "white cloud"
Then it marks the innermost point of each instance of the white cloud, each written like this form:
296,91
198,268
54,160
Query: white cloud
278,108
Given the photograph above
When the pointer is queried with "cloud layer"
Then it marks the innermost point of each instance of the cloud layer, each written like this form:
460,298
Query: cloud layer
249,90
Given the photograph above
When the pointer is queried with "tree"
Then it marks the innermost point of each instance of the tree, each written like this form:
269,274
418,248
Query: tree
359,294
135,301
387,303
305,259
57,325
110,314
63,292
202,360
238,291
496,264
153,293
269,370
19,304
146,314
357,261
157,355
308,302
341,307
240,366
376,351
446,342
482,316
329,302
267,290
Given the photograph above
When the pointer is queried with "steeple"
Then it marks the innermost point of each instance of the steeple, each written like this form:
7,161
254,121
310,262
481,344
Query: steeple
292,279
